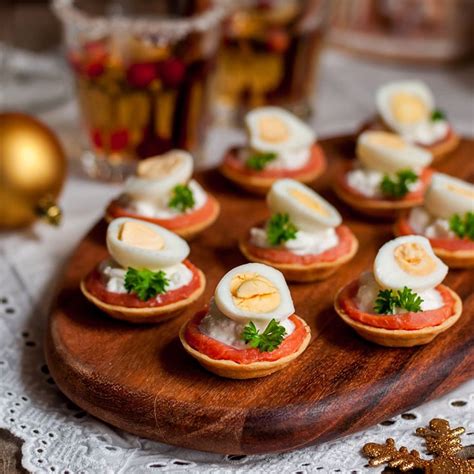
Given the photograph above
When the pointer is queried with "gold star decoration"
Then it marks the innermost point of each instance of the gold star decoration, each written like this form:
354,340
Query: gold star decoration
442,442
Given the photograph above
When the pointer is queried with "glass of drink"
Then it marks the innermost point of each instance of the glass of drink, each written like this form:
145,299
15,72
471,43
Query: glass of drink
269,55
141,70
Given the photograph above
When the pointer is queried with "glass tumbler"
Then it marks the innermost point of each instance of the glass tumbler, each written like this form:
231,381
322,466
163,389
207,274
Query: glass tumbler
269,55
142,73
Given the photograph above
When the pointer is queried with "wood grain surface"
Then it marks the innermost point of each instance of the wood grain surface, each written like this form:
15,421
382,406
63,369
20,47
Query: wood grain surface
140,379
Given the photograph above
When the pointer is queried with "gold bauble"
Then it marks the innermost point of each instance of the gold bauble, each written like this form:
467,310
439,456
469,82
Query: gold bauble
32,171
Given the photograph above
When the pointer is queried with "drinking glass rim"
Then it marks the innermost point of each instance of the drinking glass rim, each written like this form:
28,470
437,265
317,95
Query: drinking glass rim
169,28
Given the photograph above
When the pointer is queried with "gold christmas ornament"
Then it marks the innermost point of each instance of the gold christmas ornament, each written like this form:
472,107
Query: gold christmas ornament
444,443
32,171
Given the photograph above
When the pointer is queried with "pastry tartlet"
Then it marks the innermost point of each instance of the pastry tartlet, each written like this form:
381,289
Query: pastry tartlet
250,329
446,219
280,146
163,192
304,237
388,177
402,303
148,278
408,108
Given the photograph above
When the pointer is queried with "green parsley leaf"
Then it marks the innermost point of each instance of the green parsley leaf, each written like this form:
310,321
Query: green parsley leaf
258,161
437,115
280,229
145,283
266,341
388,300
409,300
182,198
463,227
385,302
398,186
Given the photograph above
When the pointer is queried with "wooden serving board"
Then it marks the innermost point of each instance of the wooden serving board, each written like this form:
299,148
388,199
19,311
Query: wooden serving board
139,378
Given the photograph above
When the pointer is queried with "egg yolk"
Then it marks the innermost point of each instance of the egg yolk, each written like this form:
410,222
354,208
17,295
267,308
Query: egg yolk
158,167
254,293
468,193
413,258
308,201
408,108
140,235
273,130
388,140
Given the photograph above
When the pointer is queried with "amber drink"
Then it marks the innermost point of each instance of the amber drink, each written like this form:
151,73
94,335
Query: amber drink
141,76
268,56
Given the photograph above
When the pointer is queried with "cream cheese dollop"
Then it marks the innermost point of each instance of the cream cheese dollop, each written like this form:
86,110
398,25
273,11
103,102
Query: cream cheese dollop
223,329
159,208
305,243
367,181
113,276
369,289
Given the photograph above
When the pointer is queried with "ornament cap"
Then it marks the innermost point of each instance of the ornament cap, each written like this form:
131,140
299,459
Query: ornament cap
48,210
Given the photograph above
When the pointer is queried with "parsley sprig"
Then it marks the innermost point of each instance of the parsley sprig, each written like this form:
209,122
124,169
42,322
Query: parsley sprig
182,198
398,186
437,115
463,227
258,161
266,341
145,283
388,300
280,229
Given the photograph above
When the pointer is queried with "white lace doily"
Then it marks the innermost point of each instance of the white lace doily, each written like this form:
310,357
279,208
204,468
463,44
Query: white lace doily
61,438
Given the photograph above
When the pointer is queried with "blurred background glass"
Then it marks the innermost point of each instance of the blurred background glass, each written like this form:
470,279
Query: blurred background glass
141,70
268,56
421,31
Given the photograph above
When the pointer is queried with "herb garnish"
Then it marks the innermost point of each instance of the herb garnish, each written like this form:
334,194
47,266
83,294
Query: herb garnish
463,227
145,283
437,115
388,300
258,161
266,341
280,229
182,198
398,186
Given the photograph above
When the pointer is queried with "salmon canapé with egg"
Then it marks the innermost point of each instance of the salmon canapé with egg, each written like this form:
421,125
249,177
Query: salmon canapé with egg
388,176
163,192
147,277
304,237
446,219
280,145
250,328
402,302
408,108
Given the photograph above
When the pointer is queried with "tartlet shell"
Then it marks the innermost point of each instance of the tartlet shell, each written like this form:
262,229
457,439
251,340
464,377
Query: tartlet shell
376,207
452,258
146,315
400,337
261,184
303,273
233,370
188,232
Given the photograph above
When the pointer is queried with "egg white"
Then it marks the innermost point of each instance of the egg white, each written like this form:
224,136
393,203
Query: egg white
389,274
374,152
301,136
174,251
386,92
152,189
441,200
225,304
280,200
